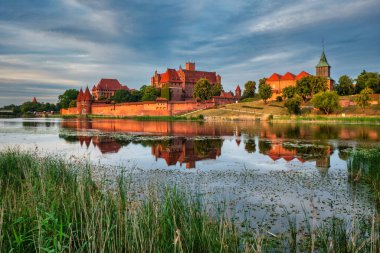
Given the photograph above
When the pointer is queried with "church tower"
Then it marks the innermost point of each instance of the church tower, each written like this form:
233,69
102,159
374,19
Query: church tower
323,68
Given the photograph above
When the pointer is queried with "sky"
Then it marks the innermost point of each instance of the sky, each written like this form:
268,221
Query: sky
49,46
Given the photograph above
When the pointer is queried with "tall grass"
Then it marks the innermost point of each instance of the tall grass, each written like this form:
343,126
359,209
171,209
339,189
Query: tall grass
49,205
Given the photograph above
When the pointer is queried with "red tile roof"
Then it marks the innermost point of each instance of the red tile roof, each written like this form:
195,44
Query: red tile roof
238,88
80,95
274,77
302,75
288,76
109,84
170,75
87,95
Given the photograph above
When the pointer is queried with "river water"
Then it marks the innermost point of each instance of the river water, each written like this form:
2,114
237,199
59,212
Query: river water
260,174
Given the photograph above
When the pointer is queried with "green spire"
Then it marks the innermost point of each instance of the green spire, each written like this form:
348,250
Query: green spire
323,61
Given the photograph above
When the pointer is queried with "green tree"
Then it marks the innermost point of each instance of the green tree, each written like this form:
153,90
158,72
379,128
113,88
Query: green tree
73,103
345,86
265,92
288,92
202,89
374,84
68,96
364,97
121,96
150,93
326,101
368,80
216,89
262,81
308,86
249,89
136,96
293,104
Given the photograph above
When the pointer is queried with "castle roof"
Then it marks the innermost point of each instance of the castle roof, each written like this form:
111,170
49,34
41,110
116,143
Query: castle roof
172,75
274,77
238,88
288,76
80,95
109,84
34,101
323,61
302,75
87,95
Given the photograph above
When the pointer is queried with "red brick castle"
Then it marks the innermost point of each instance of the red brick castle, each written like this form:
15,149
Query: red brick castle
181,82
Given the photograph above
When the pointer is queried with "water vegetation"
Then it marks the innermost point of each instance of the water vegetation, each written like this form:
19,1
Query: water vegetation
51,205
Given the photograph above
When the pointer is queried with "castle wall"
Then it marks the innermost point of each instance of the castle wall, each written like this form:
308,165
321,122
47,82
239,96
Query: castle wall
151,108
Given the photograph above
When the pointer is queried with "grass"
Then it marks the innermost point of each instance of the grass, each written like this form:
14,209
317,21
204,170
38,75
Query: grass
49,205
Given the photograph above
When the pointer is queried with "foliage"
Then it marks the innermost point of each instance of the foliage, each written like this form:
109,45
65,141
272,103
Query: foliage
35,107
364,97
73,103
326,101
289,92
262,81
293,104
56,206
150,93
202,89
265,92
368,80
121,96
279,98
216,89
65,98
249,89
135,96
307,86
165,93
345,86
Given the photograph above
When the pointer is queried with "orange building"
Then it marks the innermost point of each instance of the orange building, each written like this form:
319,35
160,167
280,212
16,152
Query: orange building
106,88
277,82
181,82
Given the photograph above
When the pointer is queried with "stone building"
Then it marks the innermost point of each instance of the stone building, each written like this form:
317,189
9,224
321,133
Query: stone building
181,82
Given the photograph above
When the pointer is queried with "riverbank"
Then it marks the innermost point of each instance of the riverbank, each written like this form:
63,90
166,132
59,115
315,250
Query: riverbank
139,118
47,203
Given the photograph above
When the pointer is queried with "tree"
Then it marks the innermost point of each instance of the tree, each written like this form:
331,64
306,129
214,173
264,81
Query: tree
121,96
216,89
202,89
288,92
262,81
150,93
364,97
326,101
265,92
368,80
249,89
73,103
307,86
345,86
68,96
136,96
293,104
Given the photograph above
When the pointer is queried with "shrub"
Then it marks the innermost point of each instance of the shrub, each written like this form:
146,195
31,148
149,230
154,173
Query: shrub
326,101
279,99
364,97
293,104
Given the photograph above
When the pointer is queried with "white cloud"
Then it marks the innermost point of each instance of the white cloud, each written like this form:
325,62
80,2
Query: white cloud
308,12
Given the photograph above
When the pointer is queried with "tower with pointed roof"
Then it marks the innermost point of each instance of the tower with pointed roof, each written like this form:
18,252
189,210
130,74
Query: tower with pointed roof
323,68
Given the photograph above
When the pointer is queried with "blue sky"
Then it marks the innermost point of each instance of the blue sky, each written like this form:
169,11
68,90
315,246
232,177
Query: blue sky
48,46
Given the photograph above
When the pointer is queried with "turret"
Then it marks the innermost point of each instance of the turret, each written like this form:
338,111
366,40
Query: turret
323,68
238,92
80,95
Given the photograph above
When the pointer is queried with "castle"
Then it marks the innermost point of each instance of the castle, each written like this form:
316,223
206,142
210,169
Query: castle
181,82
277,82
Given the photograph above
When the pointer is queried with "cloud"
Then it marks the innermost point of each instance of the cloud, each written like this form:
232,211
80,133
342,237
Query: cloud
307,12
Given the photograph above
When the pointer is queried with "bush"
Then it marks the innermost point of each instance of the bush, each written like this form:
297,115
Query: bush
279,99
293,104
364,97
326,101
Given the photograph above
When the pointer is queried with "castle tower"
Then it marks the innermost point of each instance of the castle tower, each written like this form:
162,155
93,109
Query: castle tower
238,92
323,68
190,66
79,101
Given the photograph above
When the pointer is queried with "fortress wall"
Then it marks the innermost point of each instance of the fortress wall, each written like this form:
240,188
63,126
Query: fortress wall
69,111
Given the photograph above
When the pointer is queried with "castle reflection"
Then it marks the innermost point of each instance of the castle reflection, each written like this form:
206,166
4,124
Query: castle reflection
301,143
